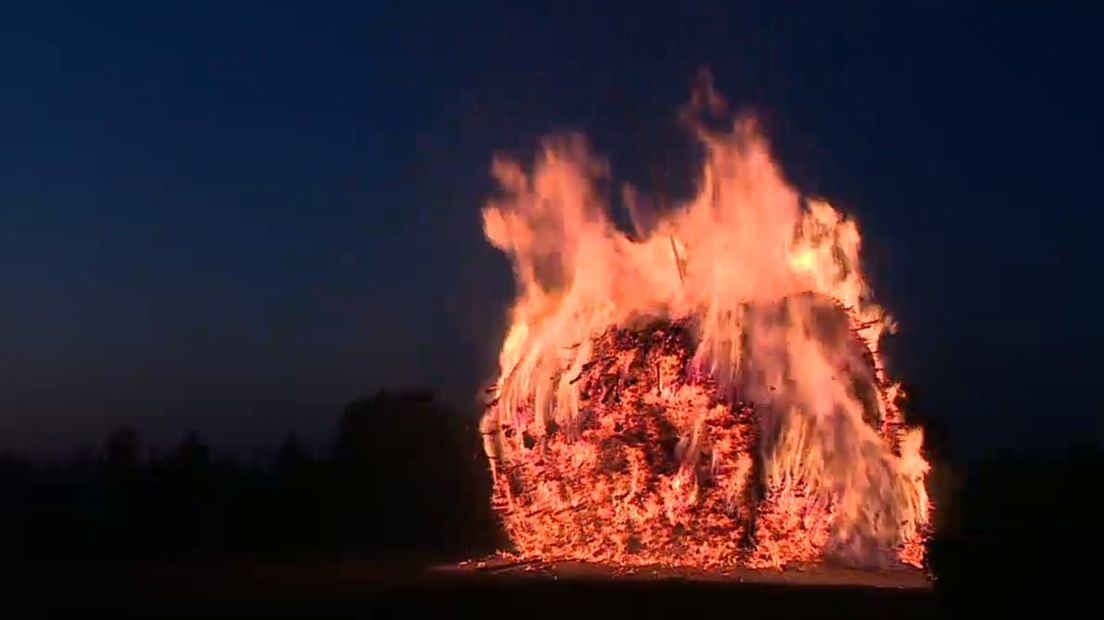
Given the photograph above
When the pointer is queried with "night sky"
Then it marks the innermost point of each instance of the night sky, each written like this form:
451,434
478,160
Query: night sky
235,217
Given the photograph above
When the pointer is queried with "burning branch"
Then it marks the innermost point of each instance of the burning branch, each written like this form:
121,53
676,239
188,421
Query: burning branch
678,260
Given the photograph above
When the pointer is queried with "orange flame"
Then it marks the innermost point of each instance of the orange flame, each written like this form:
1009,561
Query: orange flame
761,430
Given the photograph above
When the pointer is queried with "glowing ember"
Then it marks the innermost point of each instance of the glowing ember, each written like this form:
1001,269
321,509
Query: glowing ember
709,393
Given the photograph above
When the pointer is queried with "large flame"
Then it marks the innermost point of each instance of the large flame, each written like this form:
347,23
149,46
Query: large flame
766,429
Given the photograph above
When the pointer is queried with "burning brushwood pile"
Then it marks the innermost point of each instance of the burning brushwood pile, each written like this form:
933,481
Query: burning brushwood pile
659,460
707,393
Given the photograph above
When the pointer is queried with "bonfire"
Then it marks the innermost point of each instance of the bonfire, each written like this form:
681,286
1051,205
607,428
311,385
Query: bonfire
707,391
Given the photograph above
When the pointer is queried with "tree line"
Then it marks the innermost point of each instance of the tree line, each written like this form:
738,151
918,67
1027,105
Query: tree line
406,476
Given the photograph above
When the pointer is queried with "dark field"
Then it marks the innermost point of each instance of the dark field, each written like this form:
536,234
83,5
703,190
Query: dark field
354,588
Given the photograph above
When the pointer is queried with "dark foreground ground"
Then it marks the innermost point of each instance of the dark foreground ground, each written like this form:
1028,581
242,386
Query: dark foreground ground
356,589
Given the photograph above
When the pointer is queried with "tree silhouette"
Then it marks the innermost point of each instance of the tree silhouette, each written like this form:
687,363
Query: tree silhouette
122,448
407,477
416,471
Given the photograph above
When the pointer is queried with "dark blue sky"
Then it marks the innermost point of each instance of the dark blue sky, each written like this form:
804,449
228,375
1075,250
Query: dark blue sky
204,204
